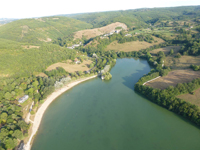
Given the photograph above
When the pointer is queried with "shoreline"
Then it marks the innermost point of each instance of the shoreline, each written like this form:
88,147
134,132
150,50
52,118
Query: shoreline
39,114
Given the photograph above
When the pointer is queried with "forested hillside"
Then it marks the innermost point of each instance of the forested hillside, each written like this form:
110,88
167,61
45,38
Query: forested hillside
36,31
139,17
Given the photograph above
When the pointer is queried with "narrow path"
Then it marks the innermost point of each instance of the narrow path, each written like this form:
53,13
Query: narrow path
151,80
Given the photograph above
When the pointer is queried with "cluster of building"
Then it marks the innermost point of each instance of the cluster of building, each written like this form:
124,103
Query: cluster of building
75,45
23,99
111,33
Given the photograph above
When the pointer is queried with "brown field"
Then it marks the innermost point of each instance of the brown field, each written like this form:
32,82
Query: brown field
182,63
173,78
132,46
71,67
193,99
166,50
89,33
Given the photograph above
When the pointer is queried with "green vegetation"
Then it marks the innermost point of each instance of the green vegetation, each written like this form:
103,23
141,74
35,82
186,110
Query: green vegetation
195,67
139,18
107,76
20,62
35,31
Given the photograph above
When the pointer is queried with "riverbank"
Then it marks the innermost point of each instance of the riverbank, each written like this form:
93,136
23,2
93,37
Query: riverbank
44,106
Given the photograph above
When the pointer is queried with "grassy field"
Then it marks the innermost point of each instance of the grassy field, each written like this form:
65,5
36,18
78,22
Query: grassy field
69,67
183,62
132,46
192,98
174,77
166,50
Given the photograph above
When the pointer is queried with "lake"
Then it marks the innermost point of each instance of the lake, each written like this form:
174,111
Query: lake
100,115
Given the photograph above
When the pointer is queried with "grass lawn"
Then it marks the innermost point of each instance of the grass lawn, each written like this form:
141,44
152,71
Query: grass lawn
166,50
69,67
132,46
192,98
183,62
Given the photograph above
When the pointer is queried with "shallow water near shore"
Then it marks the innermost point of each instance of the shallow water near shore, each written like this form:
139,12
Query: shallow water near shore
99,115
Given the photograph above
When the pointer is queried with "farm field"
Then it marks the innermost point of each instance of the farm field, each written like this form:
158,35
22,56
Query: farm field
132,46
192,98
173,78
69,67
166,50
182,63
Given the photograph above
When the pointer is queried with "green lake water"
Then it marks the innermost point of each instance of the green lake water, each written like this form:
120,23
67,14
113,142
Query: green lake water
99,115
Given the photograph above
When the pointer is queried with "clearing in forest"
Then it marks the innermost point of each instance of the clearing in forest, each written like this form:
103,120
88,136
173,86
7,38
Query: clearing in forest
71,67
132,46
90,33
192,98
174,77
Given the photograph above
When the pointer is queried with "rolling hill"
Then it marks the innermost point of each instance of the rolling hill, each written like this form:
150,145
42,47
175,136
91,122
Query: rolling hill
38,30
139,17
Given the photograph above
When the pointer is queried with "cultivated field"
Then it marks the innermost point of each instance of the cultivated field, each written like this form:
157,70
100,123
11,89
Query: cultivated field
174,77
69,67
99,31
182,63
132,46
193,99
166,50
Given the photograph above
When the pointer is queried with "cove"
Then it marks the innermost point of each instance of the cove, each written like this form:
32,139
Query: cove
99,115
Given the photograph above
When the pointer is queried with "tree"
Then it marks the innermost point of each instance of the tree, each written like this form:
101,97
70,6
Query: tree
171,52
7,96
4,117
10,143
4,134
18,134
178,55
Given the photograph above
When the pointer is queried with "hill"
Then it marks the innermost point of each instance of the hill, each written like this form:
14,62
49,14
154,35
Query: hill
38,30
139,17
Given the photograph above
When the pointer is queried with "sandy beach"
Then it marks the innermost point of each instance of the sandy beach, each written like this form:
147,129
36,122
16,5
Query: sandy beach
47,102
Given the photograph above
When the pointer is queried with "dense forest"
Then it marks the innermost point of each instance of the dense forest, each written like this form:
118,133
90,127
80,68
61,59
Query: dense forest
139,17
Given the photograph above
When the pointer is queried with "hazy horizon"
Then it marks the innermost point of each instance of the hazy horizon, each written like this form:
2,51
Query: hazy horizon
21,9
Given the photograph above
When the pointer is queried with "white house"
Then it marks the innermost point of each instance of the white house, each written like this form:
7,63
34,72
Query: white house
117,31
23,99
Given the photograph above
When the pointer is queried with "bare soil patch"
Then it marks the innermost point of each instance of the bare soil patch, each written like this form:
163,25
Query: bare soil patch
47,40
132,46
166,50
41,74
30,46
192,98
69,67
89,33
174,77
